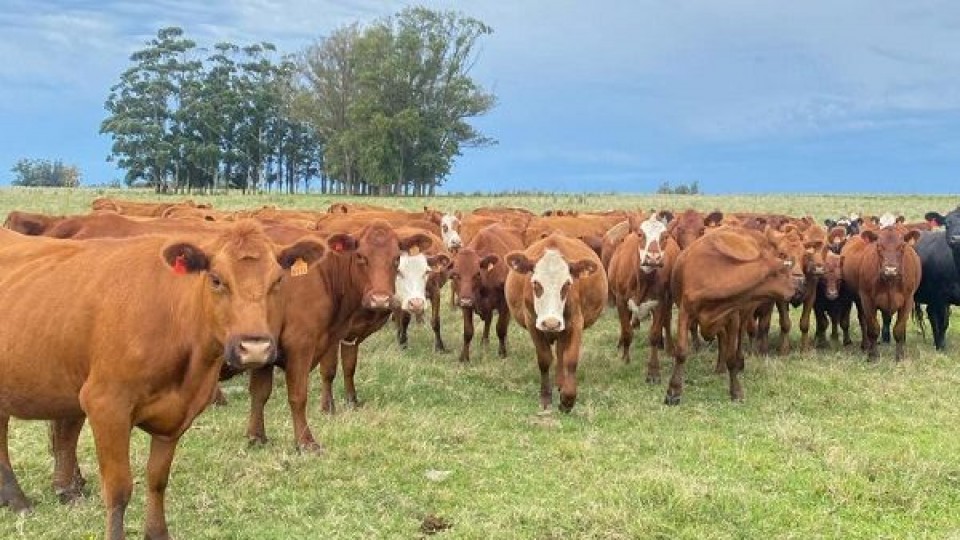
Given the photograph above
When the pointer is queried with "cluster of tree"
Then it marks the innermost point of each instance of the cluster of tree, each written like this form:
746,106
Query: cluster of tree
379,110
45,173
693,188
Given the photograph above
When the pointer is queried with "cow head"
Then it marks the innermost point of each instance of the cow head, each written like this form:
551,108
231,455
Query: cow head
890,245
653,234
552,277
375,255
951,224
791,250
243,272
450,231
832,278
691,225
413,272
837,238
472,274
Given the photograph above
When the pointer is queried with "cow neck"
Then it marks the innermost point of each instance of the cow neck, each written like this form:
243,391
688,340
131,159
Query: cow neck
190,313
343,285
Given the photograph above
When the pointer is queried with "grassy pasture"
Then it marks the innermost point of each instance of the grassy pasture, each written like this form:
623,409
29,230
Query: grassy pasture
826,445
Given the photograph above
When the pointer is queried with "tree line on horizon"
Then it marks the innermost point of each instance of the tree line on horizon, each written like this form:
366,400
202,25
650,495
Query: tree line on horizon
380,109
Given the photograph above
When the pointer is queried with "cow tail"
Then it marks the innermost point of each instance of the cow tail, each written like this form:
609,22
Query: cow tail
918,318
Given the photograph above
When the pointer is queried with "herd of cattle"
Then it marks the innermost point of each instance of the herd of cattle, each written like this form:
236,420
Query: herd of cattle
129,315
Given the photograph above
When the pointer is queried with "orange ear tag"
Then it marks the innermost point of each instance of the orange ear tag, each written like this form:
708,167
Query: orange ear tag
299,268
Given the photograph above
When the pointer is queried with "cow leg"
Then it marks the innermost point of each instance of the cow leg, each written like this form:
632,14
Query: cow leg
885,330
487,317
765,316
503,323
695,342
467,334
218,398
403,324
872,327
626,329
260,387
328,371
900,328
544,359
298,390
655,342
348,356
675,386
10,493
158,473
727,345
783,309
862,319
68,483
805,316
568,356
938,315
820,333
111,434
438,345
844,322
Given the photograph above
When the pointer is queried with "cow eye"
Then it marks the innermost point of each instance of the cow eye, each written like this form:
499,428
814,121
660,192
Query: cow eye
537,289
217,283
446,229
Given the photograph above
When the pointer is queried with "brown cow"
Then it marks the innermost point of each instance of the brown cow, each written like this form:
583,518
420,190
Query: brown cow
69,353
889,275
833,302
139,208
29,223
110,225
717,278
478,275
341,301
639,278
556,289
420,277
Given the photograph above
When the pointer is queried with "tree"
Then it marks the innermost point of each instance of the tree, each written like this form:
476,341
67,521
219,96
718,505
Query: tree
45,173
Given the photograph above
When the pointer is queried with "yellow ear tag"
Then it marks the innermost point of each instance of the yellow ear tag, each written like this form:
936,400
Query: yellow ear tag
299,268
413,250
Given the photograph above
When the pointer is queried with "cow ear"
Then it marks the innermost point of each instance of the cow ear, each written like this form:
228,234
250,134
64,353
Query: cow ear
666,216
911,237
830,223
342,243
519,262
582,268
489,261
438,262
185,258
935,217
900,219
713,219
869,236
420,240
308,251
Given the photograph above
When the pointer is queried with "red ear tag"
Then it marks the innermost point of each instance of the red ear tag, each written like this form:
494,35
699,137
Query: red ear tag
338,247
180,265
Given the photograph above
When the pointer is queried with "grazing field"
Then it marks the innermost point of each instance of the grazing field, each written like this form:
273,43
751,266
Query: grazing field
826,445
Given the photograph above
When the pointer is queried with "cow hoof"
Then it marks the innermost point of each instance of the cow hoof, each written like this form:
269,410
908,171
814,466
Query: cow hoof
353,404
440,349
671,400
565,407
312,447
17,503
502,353
256,440
653,379
70,495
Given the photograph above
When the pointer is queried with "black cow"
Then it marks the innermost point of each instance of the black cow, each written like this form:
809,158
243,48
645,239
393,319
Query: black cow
940,282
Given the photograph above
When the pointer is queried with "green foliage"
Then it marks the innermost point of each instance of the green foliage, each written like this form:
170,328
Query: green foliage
45,173
392,101
693,188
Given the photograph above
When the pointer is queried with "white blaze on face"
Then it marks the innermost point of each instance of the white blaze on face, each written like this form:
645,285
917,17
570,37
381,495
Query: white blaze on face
411,284
887,220
448,231
651,253
551,281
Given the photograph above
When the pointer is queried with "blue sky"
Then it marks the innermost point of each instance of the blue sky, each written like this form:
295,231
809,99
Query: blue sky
741,95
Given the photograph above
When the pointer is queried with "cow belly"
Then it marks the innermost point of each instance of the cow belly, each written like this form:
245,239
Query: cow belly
34,400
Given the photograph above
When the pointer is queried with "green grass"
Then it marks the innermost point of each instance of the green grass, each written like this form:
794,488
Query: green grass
825,445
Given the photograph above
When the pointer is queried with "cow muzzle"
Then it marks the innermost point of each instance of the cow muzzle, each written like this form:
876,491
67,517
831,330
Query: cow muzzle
378,302
415,305
818,270
550,324
953,240
888,271
832,294
466,302
250,351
